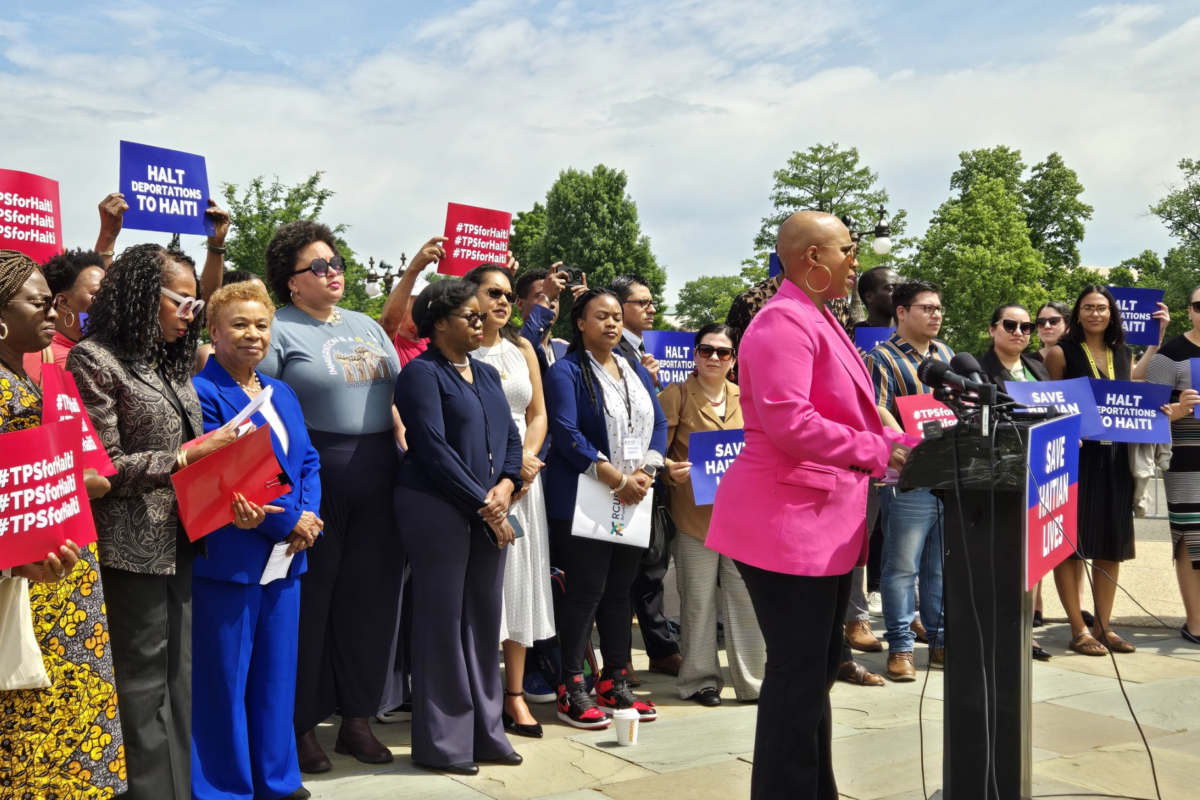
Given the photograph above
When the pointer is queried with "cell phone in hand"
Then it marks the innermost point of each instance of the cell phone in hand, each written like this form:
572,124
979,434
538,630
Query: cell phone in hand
518,531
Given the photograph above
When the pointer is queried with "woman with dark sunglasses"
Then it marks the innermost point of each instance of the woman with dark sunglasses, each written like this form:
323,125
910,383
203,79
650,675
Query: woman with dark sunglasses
343,368
1049,325
707,401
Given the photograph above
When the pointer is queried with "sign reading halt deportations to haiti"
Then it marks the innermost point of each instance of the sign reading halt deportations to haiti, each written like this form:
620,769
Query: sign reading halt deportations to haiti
167,191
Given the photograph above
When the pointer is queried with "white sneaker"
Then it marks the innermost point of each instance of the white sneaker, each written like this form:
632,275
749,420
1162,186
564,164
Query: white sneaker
875,604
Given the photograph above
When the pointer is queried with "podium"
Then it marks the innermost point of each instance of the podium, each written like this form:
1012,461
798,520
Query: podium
985,599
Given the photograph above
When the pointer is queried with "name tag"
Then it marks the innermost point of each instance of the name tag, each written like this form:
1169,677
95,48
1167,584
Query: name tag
631,448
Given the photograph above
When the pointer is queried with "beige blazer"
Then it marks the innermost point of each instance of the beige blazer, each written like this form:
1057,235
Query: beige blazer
687,411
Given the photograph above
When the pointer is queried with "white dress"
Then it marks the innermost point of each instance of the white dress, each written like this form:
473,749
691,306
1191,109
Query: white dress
528,606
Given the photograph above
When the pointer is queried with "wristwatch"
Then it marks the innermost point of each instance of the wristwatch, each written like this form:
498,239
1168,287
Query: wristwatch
650,470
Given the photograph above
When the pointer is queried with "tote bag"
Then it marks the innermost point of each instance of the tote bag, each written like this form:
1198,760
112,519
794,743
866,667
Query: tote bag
600,515
21,665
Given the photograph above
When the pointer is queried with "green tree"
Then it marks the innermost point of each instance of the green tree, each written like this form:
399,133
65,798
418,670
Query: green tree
528,229
1000,162
1054,213
707,299
756,268
1180,209
977,250
258,212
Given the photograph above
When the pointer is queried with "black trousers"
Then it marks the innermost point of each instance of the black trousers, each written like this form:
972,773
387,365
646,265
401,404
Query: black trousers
793,749
647,599
458,597
150,633
598,576
350,595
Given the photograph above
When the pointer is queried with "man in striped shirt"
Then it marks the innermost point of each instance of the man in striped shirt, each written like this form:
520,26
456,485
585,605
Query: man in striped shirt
912,535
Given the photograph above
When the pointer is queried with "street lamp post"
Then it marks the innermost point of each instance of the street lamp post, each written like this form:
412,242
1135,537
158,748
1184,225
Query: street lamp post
388,277
882,233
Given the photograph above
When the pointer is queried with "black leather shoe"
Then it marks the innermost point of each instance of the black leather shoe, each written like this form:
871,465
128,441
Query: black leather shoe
511,760
707,696
465,768
299,794
533,731
1040,654
310,755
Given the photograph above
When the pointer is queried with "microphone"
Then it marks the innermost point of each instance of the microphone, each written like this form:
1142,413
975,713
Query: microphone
937,374
966,365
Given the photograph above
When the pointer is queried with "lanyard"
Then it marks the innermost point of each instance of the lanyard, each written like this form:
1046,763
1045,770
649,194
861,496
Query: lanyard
624,388
1095,371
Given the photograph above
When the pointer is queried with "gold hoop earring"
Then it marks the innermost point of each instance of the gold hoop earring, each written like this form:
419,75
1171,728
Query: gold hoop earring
70,313
4,335
827,283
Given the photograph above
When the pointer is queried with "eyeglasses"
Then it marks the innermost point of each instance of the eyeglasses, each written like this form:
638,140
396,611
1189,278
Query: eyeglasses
1195,306
44,305
1011,325
1094,311
930,310
188,306
473,319
496,293
848,250
645,304
707,351
1043,322
320,267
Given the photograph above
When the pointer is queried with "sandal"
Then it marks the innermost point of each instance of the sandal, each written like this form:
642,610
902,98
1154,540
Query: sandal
853,672
1087,648
1120,646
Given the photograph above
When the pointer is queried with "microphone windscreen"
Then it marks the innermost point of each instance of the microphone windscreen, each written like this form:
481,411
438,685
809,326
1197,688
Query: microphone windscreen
930,372
965,364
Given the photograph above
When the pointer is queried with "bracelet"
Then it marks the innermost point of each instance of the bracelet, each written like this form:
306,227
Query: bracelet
621,485
106,253
180,460
220,251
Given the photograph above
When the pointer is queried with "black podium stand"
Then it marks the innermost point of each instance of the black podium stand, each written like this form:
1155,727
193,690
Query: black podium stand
985,598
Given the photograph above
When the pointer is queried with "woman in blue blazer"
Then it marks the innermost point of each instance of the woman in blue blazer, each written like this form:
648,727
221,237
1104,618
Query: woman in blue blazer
243,631
605,424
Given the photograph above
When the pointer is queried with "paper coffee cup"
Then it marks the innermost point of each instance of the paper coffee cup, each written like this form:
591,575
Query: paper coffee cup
625,722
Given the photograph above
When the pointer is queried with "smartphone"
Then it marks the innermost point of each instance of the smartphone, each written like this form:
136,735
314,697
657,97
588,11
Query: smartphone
518,531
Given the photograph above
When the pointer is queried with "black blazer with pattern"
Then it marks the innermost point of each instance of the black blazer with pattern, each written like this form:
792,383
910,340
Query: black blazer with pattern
141,426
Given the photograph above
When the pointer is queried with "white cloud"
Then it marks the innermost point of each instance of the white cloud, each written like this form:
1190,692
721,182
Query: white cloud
699,101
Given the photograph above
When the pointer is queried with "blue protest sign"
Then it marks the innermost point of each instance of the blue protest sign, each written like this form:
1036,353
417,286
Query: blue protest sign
1194,364
1051,496
1130,411
673,350
711,453
166,190
1072,396
775,266
866,338
1136,307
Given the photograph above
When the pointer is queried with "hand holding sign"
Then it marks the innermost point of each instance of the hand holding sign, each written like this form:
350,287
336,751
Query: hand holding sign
1140,310
431,252
221,223
54,568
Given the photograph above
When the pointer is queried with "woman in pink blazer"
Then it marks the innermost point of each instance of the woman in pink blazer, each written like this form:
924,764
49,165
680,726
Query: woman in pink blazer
791,510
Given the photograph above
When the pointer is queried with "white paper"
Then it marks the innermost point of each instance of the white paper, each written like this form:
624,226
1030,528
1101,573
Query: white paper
600,515
277,564
258,401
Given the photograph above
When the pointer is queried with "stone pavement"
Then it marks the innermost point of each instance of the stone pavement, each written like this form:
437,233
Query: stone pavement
1084,739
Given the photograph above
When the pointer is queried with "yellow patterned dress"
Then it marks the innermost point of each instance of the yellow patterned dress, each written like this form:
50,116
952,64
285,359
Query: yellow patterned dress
61,743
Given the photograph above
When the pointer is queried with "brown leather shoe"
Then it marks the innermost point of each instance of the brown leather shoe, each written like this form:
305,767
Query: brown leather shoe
900,667
919,630
853,672
355,739
937,657
861,637
310,755
631,677
668,666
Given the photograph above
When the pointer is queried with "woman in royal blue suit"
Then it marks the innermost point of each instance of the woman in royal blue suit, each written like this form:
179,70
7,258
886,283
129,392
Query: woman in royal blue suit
244,632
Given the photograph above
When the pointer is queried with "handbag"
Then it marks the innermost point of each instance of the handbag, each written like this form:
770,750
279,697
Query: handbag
21,665
662,529
600,515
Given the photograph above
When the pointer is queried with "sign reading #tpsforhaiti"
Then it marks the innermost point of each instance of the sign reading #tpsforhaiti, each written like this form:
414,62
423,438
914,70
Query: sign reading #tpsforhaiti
167,191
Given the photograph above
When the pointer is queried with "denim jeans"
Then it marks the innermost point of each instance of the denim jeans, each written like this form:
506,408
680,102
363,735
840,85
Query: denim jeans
912,545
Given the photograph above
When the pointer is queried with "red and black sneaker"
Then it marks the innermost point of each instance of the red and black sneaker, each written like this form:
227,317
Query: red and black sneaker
613,694
576,707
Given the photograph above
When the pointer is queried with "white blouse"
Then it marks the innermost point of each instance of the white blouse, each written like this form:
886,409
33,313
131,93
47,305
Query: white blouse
628,414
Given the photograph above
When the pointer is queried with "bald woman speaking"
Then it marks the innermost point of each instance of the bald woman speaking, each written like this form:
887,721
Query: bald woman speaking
791,510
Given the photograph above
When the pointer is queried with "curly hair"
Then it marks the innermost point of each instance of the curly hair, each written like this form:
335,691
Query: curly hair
578,310
125,312
437,300
508,330
285,248
239,292
63,270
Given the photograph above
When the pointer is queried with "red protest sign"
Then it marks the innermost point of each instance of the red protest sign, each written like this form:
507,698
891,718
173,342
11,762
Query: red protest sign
42,498
476,236
60,403
917,409
30,219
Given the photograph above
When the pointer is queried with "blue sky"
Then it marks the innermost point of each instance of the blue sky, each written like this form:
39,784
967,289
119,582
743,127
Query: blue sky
409,106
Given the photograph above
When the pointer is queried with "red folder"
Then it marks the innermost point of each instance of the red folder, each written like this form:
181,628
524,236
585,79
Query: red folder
205,489
61,402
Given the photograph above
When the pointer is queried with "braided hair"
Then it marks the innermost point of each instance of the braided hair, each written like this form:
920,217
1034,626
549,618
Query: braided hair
125,311
578,310
15,269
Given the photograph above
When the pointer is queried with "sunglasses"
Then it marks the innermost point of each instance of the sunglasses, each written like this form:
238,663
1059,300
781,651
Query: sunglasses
1195,306
44,304
188,306
320,267
495,292
1042,322
473,319
1011,326
707,350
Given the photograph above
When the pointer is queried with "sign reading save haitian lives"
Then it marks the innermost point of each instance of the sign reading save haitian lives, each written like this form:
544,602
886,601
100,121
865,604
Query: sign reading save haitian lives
167,191
1072,396
1129,411
1137,306
673,351
30,219
477,236
711,453
1051,496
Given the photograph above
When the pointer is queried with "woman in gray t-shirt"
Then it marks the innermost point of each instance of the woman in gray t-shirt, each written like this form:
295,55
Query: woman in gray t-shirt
343,368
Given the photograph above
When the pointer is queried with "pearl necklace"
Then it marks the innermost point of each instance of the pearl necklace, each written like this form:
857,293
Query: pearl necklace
254,381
